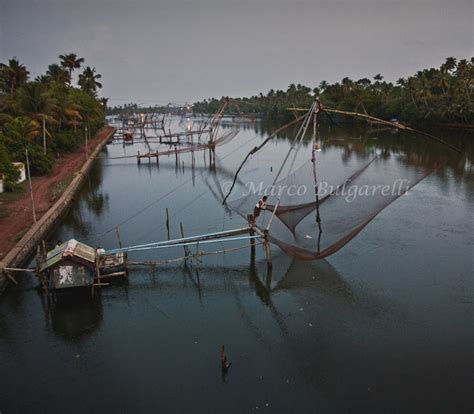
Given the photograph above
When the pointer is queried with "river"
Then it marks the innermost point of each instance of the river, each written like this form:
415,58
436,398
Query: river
383,325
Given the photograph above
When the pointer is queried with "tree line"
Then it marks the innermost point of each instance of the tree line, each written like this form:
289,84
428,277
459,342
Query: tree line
430,96
50,101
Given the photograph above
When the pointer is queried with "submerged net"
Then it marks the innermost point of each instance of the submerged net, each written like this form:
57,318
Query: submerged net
354,182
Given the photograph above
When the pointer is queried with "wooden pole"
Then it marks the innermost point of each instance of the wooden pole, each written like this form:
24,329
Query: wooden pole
118,236
44,135
252,241
315,177
184,247
397,125
168,223
87,149
31,187
97,269
268,251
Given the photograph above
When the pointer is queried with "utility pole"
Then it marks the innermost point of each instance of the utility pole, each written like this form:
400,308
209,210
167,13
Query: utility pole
31,187
87,152
44,135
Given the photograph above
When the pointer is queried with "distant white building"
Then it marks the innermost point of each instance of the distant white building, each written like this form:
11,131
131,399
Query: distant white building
1,184
20,166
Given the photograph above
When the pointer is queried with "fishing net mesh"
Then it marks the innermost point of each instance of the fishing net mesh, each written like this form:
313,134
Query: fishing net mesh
353,187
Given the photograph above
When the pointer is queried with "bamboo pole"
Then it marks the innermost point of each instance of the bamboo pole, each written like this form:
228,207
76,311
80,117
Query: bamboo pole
118,236
7,274
254,150
16,269
30,185
268,251
187,240
115,274
384,122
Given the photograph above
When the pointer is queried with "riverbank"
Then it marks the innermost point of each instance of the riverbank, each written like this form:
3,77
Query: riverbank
17,219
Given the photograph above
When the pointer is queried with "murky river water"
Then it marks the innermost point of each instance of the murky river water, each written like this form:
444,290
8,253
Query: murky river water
384,325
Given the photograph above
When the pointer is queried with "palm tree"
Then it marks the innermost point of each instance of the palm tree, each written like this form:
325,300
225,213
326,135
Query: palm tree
88,81
74,118
12,75
441,80
58,74
35,100
22,129
465,74
70,62
450,64
347,85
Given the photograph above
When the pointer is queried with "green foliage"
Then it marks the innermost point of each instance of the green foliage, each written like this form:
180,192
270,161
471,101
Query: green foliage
40,163
12,75
88,81
67,141
50,99
70,62
444,95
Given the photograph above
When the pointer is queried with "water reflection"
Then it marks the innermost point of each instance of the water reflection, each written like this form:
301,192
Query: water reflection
360,332
358,138
73,315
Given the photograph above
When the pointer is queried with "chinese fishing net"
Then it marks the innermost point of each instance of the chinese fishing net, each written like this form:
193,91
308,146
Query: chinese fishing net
355,182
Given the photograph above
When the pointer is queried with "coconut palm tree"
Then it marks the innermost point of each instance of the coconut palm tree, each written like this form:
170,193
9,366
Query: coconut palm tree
441,80
58,74
35,100
323,85
22,129
450,64
347,86
12,75
70,62
88,81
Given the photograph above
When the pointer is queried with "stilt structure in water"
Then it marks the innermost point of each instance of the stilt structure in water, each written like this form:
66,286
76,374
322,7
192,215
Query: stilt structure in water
74,264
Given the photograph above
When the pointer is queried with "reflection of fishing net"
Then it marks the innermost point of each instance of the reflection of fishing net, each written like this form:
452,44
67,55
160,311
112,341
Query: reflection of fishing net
355,184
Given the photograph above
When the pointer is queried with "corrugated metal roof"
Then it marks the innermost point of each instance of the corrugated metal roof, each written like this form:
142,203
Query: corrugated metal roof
71,248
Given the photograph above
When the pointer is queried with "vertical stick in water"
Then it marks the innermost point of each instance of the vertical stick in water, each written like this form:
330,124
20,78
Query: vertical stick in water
186,248
168,223
118,236
31,187
315,177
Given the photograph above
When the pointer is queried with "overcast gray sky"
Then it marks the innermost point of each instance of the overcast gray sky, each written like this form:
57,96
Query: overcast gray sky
182,50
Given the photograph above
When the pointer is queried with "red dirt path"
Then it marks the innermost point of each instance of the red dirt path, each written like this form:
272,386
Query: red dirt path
18,216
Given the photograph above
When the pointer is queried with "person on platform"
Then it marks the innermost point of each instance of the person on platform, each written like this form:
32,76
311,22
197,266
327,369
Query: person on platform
261,205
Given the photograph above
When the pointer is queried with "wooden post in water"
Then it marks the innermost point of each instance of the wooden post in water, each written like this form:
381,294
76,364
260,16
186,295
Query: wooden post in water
197,258
138,157
168,223
268,251
184,247
252,241
97,269
118,236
